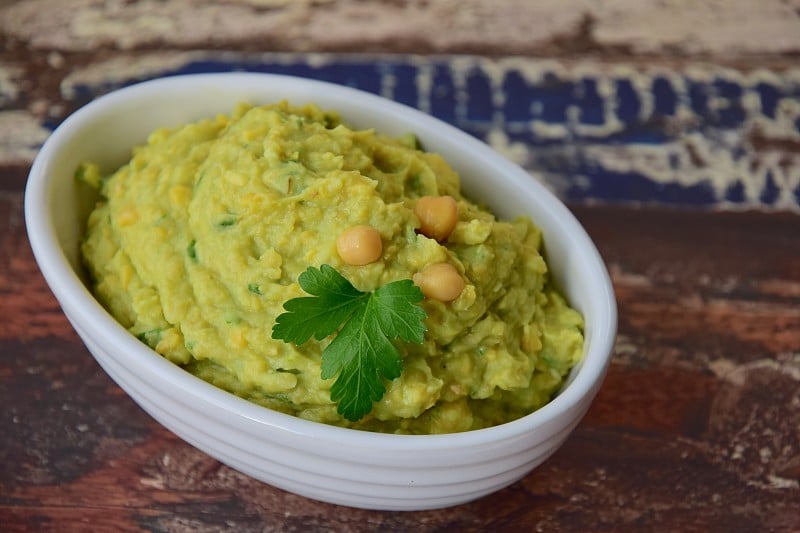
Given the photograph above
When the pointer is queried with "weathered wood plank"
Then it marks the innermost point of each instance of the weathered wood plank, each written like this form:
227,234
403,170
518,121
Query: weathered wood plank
693,430
699,108
731,28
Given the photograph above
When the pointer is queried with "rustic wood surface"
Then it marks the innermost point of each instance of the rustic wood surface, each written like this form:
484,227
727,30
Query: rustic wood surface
697,426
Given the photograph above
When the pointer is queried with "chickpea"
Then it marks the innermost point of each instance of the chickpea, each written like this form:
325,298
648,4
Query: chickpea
437,216
359,245
440,281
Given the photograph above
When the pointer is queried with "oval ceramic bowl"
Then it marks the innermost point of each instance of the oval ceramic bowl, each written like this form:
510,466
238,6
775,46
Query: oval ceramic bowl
332,464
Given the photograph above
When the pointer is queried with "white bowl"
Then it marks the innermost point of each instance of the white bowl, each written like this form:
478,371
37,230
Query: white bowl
343,466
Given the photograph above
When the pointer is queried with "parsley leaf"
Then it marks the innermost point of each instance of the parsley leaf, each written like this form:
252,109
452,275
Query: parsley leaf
362,353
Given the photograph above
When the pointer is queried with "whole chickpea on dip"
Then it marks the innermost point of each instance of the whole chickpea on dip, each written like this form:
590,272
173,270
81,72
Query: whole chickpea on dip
197,242
359,245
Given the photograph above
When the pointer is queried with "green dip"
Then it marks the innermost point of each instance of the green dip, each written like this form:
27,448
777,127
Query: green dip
197,242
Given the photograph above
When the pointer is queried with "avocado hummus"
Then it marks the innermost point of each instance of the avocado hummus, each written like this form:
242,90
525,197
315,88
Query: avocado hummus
197,242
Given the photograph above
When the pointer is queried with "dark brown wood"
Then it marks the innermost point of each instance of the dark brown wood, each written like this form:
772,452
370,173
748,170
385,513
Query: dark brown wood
695,428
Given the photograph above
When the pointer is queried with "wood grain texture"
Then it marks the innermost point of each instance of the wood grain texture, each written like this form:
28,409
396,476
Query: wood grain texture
696,428
619,101
498,26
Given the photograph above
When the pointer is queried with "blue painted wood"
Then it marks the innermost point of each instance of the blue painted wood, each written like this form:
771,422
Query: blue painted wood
684,137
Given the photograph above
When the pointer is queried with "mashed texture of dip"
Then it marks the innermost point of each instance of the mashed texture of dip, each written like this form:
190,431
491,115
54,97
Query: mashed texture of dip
198,241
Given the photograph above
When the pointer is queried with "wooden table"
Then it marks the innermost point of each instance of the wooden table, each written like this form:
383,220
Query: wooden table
673,135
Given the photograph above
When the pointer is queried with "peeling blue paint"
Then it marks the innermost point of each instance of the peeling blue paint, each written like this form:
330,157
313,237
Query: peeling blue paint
572,123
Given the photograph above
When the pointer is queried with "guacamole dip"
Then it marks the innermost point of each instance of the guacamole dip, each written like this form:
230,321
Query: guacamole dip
198,241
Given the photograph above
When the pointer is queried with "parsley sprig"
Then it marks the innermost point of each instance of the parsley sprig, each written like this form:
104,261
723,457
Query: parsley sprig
362,353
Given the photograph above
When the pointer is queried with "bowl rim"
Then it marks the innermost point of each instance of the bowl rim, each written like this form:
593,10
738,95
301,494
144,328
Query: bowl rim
77,300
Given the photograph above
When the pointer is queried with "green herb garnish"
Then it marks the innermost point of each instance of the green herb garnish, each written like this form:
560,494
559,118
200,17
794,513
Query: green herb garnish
362,353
